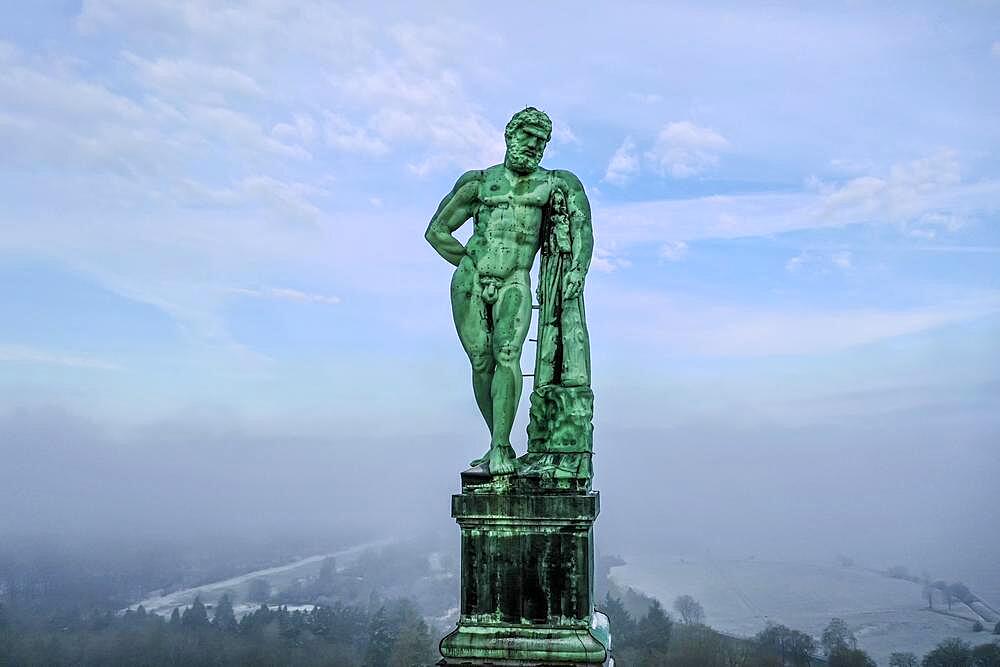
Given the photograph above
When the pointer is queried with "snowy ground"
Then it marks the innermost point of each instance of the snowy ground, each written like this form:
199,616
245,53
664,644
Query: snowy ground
279,577
740,597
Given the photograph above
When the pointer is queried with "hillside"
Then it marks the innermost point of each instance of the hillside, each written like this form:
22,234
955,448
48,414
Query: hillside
741,597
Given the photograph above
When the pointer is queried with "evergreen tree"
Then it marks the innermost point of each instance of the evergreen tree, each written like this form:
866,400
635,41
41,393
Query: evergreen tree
791,646
986,655
697,645
653,634
3,617
380,640
195,616
843,656
224,618
413,647
321,620
952,652
623,626
256,620
288,625
900,659
175,618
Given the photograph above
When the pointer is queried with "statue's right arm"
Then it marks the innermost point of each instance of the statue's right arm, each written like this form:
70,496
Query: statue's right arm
454,210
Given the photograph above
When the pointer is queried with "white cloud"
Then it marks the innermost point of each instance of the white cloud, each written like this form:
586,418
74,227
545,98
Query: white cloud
55,115
285,200
282,196
342,135
842,259
820,261
444,137
624,163
240,130
859,193
301,130
683,149
191,80
914,195
562,133
47,90
674,251
286,294
254,33
795,264
389,81
33,355
907,194
689,327
414,103
606,261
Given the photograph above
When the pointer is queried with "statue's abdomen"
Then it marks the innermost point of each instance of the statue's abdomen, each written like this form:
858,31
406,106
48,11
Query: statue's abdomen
507,239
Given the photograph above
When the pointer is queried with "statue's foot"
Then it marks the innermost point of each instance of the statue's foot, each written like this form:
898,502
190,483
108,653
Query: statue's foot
481,460
501,460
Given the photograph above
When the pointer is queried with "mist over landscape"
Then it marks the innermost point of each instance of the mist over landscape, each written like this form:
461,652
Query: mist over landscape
920,494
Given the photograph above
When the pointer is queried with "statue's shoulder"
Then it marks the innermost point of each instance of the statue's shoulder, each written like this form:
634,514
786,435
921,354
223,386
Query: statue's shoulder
467,186
473,176
496,171
566,178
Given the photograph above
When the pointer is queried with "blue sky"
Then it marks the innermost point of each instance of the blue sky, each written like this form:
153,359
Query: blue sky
220,207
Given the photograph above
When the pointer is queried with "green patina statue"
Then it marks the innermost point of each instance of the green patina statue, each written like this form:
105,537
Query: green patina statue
520,209
527,595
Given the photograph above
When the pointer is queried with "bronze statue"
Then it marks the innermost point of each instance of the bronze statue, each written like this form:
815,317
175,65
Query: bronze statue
520,208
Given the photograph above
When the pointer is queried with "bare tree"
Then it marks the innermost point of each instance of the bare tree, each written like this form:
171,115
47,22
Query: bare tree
837,635
689,609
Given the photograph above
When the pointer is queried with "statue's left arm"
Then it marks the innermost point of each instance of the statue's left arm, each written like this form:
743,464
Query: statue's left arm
581,234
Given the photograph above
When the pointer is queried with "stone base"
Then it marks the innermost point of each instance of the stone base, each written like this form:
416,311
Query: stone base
527,576
521,646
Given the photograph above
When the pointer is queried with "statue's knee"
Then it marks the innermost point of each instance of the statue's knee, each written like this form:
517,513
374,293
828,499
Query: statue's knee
481,362
508,353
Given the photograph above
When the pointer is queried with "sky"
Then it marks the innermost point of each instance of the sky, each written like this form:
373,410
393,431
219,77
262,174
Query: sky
213,219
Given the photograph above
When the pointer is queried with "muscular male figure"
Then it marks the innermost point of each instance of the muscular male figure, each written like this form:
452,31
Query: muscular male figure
491,290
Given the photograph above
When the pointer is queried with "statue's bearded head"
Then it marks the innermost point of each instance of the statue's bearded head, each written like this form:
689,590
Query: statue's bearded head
527,134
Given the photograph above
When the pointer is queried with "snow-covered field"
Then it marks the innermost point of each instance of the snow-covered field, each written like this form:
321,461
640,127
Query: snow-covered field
740,597
279,577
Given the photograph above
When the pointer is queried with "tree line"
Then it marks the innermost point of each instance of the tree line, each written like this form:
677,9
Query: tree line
387,634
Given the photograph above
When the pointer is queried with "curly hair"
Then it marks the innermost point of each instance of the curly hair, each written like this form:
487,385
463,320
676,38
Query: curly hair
528,116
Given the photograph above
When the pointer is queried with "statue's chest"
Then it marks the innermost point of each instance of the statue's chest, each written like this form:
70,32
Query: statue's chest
498,192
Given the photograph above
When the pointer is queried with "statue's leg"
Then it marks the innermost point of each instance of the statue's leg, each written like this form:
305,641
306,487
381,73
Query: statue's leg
512,318
471,322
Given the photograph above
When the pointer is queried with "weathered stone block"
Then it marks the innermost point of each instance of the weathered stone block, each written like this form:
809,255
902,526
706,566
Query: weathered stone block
527,578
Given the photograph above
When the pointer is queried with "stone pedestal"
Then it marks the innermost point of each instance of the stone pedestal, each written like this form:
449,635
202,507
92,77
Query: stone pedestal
527,575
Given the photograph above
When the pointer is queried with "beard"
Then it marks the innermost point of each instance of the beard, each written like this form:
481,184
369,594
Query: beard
521,161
